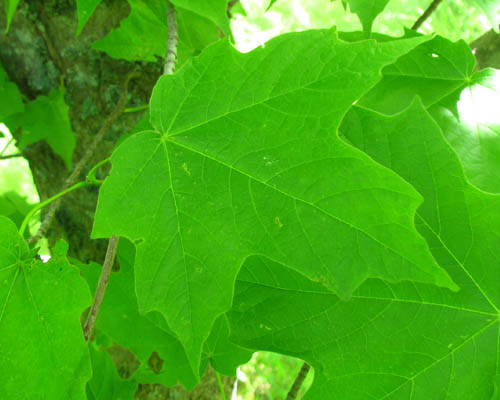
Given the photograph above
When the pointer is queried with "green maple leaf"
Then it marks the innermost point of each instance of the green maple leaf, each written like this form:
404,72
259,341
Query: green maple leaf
42,350
246,161
214,10
393,341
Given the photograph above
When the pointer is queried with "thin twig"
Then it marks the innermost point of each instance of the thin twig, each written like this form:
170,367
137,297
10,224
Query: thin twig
299,380
6,146
75,175
101,287
426,14
11,156
172,40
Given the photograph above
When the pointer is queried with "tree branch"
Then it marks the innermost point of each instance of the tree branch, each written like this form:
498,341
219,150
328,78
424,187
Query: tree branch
101,287
299,380
426,14
6,157
172,40
75,174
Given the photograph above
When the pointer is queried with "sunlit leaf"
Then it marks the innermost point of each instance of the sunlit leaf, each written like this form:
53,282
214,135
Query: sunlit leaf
247,161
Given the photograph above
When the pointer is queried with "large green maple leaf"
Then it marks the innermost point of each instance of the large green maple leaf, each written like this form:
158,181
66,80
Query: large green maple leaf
245,161
393,341
43,354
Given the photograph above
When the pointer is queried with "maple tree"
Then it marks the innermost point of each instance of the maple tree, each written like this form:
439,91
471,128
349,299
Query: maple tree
331,196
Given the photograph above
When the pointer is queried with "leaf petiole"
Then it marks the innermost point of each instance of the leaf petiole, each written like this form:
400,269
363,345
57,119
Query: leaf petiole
91,178
221,386
135,109
48,201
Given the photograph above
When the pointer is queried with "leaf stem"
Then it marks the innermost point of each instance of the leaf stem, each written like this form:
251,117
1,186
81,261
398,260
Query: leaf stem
221,386
135,109
91,175
172,40
426,14
6,146
101,287
299,380
48,201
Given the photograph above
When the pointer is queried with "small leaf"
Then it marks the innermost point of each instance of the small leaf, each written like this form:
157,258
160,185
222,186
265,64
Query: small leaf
46,118
40,331
85,9
10,97
214,10
367,11
143,34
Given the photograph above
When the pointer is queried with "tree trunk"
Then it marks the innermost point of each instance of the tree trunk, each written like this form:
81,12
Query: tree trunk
40,51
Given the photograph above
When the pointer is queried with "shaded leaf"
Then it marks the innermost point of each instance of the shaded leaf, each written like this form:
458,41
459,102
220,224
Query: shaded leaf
46,118
85,9
14,206
10,8
10,97
119,319
247,161
214,10
106,384
40,331
143,34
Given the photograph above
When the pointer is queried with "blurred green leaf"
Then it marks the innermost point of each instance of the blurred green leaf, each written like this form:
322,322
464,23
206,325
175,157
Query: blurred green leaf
10,97
85,9
46,118
491,8
10,8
